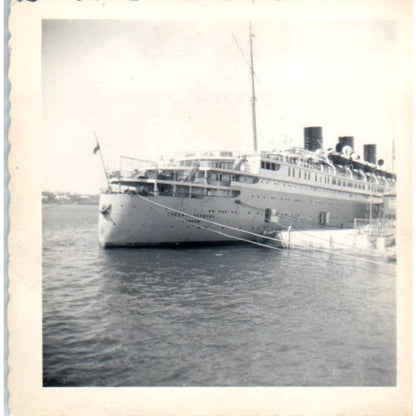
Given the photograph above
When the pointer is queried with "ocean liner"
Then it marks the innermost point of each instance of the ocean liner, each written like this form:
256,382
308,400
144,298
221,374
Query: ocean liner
223,196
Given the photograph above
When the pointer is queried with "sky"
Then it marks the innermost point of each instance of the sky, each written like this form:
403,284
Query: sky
156,88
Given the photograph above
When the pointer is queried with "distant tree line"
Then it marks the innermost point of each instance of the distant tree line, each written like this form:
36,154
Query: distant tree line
68,198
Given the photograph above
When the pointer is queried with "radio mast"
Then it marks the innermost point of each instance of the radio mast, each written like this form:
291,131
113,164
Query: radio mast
253,94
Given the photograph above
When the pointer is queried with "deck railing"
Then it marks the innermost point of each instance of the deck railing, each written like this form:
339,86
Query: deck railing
376,226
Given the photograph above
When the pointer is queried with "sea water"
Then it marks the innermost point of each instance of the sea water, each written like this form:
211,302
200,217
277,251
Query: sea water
236,315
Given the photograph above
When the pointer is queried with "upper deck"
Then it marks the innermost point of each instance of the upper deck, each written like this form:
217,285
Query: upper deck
222,173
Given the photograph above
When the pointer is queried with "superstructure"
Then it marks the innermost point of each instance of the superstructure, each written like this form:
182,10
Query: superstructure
223,196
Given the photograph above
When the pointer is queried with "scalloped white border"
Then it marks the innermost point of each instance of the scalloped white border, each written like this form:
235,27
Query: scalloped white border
27,396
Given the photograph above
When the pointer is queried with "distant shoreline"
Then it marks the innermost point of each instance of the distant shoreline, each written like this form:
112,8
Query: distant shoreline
68,198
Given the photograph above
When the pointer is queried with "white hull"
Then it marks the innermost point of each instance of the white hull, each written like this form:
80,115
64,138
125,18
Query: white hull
155,220
135,220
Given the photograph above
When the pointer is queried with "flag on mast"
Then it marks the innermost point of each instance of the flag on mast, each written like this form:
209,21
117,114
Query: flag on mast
96,149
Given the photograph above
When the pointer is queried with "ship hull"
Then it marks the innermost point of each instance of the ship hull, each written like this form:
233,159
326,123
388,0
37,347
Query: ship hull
135,220
139,221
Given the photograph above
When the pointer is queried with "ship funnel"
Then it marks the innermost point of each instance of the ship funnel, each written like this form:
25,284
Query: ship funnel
313,138
370,153
346,141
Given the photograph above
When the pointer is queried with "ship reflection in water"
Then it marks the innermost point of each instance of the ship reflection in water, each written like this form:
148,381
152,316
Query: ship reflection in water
210,316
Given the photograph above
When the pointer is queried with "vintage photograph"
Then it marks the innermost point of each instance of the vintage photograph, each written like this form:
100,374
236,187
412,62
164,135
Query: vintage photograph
219,202
210,208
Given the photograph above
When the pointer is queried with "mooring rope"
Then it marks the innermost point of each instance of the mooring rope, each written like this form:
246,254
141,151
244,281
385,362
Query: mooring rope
254,234
308,234
303,255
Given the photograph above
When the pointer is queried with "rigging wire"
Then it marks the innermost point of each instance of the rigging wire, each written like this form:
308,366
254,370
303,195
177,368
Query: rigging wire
241,51
265,94
273,108
244,57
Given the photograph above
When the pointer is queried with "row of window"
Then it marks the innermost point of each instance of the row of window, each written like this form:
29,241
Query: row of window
301,200
206,163
317,190
327,179
270,165
189,219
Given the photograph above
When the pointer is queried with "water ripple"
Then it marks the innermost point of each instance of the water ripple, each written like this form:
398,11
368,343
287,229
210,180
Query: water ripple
213,316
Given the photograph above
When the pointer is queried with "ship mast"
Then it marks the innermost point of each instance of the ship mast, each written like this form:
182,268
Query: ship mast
253,94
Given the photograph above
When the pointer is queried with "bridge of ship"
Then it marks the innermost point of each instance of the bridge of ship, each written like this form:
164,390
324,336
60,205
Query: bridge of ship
209,175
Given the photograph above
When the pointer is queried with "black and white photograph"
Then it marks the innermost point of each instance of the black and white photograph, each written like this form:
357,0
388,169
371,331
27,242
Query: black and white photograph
218,200
301,291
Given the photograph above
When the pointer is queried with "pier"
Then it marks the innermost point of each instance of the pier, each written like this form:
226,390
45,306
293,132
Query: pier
363,241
